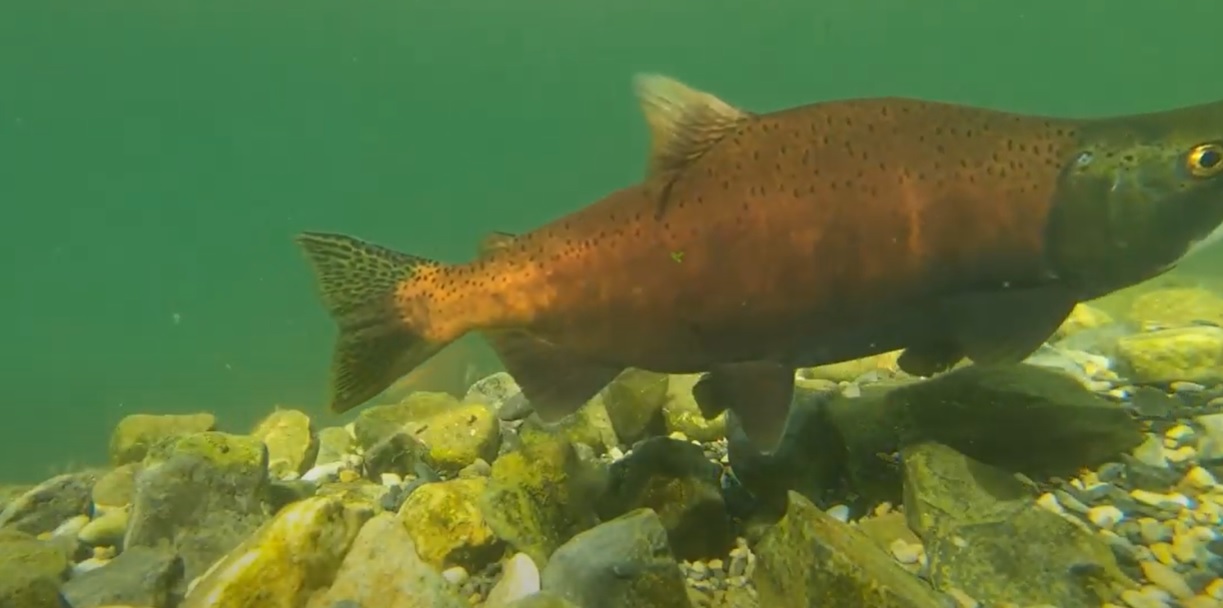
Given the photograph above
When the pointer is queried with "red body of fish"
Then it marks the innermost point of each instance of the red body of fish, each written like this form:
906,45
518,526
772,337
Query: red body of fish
762,243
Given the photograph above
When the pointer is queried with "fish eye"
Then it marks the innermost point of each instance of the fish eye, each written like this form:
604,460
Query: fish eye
1205,160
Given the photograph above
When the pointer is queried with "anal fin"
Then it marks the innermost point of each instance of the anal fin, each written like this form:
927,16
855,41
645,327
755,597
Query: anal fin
759,394
553,380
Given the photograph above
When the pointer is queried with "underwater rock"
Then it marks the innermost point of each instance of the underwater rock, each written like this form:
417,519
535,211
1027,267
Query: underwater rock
201,495
520,578
1019,417
290,558
139,576
543,599
30,571
675,480
134,434
117,486
1178,307
810,558
447,527
622,563
634,402
9,493
589,426
848,371
1094,372
399,453
1193,354
377,423
1083,317
460,436
45,506
383,570
108,527
494,390
985,535
539,496
291,442
334,444
681,414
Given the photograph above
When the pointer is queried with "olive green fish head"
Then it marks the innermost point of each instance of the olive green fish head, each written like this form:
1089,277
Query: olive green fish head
1136,195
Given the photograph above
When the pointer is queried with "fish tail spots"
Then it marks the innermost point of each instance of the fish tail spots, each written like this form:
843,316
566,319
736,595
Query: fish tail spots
379,341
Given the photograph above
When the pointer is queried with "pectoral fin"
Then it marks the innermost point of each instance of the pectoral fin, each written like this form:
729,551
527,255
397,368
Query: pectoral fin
555,382
992,327
759,393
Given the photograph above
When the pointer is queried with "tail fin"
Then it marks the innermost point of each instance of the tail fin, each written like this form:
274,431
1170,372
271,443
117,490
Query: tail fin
358,282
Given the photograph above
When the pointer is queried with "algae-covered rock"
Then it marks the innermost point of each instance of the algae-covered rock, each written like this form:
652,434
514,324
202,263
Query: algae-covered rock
681,413
1082,317
201,495
289,437
634,403
448,527
45,506
676,481
139,576
117,486
289,559
134,434
622,563
377,423
1019,417
460,436
848,371
589,426
107,528
382,570
1193,354
984,535
334,443
537,497
543,599
30,571
1178,306
810,558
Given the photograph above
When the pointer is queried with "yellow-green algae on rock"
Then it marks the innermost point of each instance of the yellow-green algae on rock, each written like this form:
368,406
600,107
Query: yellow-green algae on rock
291,557
447,526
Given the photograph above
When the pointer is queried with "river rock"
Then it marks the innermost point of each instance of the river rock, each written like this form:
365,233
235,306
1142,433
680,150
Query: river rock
290,440
139,576
200,495
675,480
45,506
383,570
810,558
116,487
30,571
134,434
293,556
1193,354
447,526
634,402
985,536
681,414
622,563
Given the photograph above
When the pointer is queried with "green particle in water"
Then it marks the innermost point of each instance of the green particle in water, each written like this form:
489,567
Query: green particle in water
678,256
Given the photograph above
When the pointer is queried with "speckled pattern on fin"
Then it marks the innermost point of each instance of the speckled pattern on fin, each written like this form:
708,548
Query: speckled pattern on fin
357,281
759,393
556,382
684,123
1007,325
494,241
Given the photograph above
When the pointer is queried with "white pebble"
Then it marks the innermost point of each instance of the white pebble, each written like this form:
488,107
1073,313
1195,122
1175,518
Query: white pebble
71,527
615,453
455,576
1050,503
92,563
1200,479
324,472
840,512
905,552
1172,501
1105,516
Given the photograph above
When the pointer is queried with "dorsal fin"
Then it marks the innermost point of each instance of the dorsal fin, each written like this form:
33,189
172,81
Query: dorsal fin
494,241
684,122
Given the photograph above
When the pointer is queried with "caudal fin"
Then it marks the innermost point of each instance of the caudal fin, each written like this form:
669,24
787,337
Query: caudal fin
377,345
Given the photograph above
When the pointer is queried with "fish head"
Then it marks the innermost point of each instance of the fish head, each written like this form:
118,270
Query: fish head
1136,195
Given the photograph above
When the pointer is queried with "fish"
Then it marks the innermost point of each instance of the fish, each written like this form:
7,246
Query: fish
758,243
